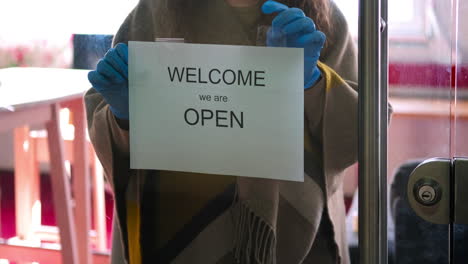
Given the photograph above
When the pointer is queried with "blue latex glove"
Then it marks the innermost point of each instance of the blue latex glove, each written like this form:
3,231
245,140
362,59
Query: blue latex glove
292,28
110,79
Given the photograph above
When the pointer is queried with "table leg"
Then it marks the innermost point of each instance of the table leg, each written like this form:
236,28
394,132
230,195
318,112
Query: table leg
99,205
27,198
61,190
81,182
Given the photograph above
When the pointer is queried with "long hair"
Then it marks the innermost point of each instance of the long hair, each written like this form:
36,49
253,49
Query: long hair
318,10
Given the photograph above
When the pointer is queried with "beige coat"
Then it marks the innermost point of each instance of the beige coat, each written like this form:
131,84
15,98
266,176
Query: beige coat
271,221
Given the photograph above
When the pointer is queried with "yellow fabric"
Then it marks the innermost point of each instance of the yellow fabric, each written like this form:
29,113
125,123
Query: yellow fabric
332,79
133,227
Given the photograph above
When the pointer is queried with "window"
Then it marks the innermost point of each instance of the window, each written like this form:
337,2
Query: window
25,18
408,19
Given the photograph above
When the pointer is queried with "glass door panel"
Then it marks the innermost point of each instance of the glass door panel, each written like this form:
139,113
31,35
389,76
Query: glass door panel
419,91
460,121
460,81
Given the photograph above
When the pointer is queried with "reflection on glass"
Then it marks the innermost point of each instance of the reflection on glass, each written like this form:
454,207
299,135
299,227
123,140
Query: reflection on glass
461,82
420,87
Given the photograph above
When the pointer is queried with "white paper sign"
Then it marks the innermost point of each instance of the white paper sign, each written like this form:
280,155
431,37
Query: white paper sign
217,109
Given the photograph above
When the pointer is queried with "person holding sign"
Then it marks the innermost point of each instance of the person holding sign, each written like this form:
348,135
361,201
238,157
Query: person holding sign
175,217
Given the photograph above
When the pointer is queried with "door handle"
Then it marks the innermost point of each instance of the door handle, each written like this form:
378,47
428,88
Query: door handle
436,186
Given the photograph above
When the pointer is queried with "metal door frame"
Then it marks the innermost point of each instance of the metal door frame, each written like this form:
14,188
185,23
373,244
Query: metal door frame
373,125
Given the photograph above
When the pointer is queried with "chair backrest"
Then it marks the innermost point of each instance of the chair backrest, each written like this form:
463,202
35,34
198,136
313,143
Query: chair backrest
89,49
416,240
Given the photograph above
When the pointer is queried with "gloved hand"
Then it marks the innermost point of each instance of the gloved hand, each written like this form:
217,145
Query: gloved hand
110,79
292,28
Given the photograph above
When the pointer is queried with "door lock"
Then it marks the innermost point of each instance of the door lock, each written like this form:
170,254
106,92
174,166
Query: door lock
438,185
427,192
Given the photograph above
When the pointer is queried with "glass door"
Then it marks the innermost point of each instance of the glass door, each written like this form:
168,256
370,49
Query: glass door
460,129
420,128
428,81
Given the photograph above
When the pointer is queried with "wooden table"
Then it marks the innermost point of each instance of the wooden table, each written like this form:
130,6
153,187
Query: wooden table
32,96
